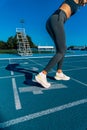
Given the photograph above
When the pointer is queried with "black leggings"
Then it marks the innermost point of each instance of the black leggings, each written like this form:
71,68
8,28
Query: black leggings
55,27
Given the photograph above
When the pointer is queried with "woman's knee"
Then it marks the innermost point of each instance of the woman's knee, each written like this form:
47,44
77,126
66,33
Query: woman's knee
61,53
61,50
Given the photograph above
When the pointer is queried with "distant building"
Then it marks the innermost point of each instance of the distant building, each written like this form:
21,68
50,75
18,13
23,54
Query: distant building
46,48
76,48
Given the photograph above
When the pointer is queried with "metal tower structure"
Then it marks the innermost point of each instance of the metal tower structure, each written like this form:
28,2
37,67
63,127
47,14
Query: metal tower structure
23,45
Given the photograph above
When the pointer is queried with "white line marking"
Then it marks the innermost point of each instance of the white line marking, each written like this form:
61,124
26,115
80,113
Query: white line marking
76,55
40,64
36,63
75,61
82,68
12,73
39,90
25,58
16,96
37,57
41,113
6,77
34,68
79,81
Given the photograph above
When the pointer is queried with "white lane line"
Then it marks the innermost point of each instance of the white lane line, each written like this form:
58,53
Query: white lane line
16,95
25,58
39,90
36,63
40,64
15,92
76,55
79,82
82,68
7,77
12,73
41,113
63,70
35,57
75,61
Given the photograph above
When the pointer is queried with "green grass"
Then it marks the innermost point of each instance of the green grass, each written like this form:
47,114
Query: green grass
9,51
14,51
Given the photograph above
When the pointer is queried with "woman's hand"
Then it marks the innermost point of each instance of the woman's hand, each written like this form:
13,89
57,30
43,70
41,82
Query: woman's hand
83,2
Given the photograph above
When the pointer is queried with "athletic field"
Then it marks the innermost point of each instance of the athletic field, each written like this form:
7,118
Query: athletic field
25,105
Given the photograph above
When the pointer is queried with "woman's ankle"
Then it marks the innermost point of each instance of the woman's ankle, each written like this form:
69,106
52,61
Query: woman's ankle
44,72
59,71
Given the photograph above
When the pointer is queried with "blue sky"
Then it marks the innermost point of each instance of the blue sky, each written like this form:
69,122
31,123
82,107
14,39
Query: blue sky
35,14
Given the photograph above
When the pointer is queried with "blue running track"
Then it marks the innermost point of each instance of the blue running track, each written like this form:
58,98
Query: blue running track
25,105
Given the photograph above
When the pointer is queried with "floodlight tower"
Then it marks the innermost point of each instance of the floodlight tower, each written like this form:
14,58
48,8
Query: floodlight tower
22,23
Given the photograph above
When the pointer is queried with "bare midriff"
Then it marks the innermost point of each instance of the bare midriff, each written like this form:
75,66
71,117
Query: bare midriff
67,9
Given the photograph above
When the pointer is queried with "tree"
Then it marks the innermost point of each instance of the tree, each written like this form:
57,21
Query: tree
15,42
70,48
32,45
3,45
10,42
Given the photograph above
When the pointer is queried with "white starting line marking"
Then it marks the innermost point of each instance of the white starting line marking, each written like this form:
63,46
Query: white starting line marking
15,92
16,95
12,76
41,113
39,90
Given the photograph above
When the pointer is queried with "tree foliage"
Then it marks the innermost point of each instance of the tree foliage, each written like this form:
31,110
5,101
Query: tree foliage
12,43
3,45
32,45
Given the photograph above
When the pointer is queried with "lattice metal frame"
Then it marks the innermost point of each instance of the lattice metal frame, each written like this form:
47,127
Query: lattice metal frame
23,45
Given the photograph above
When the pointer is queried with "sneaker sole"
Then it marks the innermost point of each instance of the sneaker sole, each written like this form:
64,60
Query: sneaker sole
41,82
60,78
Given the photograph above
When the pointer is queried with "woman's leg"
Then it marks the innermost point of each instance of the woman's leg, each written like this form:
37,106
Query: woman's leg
55,27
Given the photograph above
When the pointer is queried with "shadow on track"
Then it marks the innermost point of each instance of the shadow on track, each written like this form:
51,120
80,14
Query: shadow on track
28,74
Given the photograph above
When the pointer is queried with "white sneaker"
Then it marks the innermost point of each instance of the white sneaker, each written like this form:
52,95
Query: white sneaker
41,79
61,76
